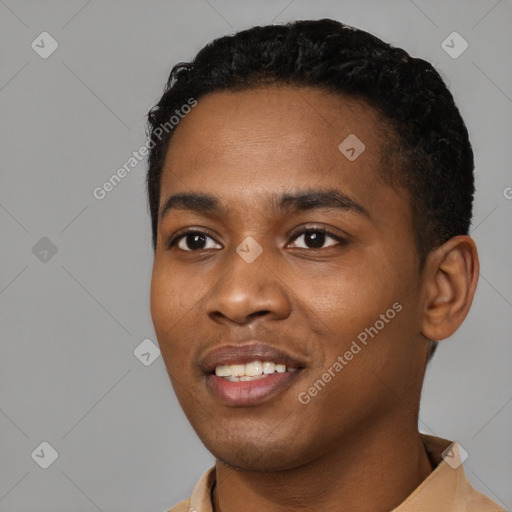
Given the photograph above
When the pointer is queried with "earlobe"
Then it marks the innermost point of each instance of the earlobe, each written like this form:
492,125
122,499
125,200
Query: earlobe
451,276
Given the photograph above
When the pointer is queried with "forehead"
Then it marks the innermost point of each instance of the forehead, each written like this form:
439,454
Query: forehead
242,145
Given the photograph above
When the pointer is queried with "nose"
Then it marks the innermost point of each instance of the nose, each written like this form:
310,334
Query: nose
247,291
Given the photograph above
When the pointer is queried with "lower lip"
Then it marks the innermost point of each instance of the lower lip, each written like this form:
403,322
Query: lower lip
249,392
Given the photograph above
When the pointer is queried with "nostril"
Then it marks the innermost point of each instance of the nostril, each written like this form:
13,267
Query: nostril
260,313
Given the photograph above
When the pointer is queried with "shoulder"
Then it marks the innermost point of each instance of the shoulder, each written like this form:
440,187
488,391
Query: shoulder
475,501
447,487
200,499
182,506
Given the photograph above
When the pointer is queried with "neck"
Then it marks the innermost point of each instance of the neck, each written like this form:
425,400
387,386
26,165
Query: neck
374,471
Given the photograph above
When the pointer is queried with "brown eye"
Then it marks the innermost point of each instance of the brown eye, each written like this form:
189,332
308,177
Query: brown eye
192,241
315,238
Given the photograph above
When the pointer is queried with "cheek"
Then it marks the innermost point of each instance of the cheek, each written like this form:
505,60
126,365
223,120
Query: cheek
170,295
168,310
350,301
350,310
159,301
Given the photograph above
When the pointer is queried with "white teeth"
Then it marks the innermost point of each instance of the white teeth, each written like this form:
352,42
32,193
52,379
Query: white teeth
250,371
223,371
253,369
256,377
269,367
245,378
237,370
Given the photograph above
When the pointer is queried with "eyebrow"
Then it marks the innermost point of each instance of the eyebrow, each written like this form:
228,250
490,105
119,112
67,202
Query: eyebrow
290,203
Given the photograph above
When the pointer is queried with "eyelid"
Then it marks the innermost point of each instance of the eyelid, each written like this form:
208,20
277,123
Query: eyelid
325,228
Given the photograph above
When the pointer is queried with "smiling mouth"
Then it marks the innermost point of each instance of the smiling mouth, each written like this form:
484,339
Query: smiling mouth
254,370
249,373
252,383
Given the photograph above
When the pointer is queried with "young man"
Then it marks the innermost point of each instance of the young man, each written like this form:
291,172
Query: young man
311,191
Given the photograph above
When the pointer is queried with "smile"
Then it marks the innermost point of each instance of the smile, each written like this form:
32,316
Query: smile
254,370
249,373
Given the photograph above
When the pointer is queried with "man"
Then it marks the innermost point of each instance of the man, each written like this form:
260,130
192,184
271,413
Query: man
311,190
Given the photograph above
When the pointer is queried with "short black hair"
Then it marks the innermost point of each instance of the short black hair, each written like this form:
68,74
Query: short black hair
429,152
428,149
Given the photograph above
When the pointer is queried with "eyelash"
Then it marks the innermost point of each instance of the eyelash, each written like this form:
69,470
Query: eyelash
342,241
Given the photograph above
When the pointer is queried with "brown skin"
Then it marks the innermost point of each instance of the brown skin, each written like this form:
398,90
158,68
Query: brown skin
354,446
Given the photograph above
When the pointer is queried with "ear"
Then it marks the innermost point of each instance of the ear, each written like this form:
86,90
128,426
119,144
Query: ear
451,275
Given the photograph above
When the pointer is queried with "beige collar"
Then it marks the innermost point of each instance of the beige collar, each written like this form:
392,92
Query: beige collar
445,489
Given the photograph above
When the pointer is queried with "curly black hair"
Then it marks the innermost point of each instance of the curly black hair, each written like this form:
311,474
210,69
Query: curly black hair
428,150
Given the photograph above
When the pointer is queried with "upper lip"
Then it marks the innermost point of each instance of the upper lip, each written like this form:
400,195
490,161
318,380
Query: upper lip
245,353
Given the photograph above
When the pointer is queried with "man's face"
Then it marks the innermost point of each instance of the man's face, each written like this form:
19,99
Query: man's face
309,296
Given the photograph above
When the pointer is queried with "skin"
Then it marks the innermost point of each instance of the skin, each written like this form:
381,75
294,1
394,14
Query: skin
355,445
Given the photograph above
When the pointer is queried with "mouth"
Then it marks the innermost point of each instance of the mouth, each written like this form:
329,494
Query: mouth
249,374
255,370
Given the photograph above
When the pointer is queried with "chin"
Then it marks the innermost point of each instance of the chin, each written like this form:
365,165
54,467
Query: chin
256,462
252,455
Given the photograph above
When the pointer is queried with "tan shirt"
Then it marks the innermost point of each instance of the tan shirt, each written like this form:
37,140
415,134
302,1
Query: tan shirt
446,489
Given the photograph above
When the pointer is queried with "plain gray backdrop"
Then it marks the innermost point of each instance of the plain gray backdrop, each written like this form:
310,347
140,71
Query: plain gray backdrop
75,270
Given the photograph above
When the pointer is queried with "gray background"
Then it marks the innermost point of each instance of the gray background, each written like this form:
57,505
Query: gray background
70,322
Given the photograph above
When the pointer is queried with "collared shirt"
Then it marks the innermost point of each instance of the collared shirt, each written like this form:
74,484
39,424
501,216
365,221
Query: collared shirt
446,489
